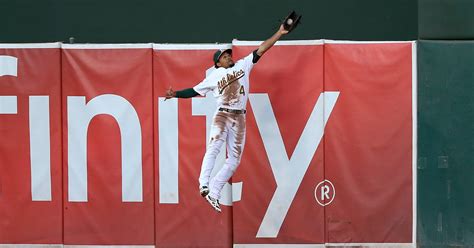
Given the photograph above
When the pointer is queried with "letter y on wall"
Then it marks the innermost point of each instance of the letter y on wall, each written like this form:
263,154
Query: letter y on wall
288,172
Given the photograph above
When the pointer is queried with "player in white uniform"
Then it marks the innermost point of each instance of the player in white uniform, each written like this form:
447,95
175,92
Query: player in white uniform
229,83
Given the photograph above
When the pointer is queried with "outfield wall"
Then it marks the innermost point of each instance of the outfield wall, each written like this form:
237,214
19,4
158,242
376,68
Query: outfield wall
92,155
445,143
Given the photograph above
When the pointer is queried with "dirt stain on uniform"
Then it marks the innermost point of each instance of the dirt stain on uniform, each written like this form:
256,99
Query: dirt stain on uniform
231,94
219,124
236,126
239,134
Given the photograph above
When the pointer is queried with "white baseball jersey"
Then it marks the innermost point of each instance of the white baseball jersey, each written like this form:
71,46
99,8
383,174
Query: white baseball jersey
230,86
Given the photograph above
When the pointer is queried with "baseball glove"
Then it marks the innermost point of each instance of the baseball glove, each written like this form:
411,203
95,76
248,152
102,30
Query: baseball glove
291,21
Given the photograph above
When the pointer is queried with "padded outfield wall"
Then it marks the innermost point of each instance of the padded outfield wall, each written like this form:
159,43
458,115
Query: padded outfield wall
446,143
445,79
92,155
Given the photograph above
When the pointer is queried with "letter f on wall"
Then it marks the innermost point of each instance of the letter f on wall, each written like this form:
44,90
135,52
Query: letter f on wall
288,172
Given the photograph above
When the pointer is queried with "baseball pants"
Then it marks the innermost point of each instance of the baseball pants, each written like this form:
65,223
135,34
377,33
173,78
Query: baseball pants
229,128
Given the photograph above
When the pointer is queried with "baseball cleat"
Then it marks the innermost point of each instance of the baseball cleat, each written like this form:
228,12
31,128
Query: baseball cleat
204,190
214,203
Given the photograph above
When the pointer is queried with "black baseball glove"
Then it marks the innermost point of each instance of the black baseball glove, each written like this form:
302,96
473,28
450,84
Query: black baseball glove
291,21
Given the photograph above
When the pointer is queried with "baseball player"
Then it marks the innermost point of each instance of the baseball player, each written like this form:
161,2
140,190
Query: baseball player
229,83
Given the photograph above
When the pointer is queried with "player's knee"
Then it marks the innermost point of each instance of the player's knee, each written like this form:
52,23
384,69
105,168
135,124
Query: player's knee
215,151
232,163
231,167
211,153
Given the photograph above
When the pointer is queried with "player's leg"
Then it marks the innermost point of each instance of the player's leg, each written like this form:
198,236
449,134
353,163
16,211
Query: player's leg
218,135
235,147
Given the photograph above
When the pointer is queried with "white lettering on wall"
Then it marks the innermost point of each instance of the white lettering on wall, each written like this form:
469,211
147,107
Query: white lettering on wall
168,150
288,172
8,66
79,116
40,148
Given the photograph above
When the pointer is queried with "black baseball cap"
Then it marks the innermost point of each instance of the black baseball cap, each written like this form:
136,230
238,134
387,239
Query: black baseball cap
219,53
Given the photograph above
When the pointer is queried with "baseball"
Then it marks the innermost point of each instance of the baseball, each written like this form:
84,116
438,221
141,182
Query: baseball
289,22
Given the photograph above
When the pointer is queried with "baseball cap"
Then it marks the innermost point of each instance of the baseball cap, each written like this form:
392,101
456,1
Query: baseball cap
219,53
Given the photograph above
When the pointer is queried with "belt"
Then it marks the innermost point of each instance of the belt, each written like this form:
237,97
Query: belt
233,111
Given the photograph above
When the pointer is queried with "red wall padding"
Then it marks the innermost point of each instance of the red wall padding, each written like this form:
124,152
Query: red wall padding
340,112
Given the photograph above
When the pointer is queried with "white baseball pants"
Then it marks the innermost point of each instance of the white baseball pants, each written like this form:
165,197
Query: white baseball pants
229,128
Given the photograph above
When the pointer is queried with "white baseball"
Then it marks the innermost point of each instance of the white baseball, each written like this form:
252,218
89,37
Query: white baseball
289,22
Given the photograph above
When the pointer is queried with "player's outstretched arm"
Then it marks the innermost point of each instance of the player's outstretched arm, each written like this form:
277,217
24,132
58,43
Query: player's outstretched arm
186,93
170,93
271,41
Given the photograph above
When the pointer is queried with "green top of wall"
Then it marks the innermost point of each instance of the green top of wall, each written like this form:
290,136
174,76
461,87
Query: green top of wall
446,19
178,21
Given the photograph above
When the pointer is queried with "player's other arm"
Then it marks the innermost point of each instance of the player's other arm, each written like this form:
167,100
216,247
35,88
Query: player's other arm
186,93
271,41
200,89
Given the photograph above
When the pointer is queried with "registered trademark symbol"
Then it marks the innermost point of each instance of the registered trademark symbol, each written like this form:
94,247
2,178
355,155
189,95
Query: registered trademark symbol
324,193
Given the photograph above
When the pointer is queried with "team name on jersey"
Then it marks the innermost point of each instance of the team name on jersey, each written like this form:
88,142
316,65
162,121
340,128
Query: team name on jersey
230,78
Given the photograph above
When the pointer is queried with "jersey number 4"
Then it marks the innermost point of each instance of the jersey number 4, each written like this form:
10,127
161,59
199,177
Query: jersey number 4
242,90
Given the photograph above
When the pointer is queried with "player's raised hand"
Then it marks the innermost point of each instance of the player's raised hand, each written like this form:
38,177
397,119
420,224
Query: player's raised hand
282,30
170,93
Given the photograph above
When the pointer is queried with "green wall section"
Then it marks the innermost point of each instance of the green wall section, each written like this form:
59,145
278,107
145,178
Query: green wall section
446,19
446,143
190,21
178,21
